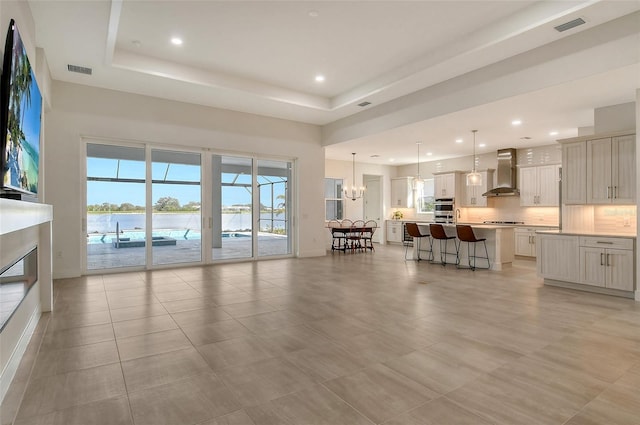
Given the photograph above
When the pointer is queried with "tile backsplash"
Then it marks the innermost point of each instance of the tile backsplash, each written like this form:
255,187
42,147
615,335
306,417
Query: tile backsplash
600,218
509,209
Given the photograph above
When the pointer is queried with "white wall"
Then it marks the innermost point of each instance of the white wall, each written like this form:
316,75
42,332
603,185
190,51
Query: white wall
354,210
80,111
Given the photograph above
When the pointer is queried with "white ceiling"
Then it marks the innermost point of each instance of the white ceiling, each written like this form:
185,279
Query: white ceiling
262,56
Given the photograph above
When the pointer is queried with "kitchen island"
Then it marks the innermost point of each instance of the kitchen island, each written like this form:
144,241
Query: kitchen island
500,245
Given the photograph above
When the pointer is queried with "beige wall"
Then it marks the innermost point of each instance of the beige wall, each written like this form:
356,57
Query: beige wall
80,111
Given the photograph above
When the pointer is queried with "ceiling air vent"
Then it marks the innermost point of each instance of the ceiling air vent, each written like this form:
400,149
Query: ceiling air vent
570,24
79,69
363,104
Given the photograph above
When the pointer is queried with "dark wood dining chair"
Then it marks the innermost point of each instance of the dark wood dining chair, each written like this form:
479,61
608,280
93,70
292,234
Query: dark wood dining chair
367,235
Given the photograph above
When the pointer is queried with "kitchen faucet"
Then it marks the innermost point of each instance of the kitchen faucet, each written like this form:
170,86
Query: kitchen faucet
457,214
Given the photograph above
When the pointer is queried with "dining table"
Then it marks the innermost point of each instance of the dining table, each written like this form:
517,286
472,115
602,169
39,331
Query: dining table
350,238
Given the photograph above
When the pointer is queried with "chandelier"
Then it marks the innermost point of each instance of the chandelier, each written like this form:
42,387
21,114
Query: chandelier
474,178
354,192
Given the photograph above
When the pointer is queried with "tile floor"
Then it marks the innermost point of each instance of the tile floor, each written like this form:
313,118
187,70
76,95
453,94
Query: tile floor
343,339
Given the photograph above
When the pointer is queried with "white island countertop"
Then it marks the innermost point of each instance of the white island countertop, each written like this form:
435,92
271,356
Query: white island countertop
585,233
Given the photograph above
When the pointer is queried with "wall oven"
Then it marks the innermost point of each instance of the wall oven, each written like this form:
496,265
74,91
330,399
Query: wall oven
444,210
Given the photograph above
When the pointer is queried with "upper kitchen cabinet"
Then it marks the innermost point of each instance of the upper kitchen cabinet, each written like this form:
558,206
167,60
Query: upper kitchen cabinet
445,185
599,169
402,192
611,172
539,186
473,194
574,173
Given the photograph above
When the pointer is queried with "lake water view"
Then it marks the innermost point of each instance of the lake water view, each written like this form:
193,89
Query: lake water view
106,223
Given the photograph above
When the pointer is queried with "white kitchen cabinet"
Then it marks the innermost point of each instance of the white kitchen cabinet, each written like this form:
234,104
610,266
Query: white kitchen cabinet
402,192
539,186
445,185
574,173
473,194
395,231
607,262
525,242
611,170
558,257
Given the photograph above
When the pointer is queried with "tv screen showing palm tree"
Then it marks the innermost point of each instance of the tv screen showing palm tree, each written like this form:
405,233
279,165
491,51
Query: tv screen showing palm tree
21,147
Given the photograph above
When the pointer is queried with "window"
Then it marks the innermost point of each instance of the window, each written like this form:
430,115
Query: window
424,200
334,208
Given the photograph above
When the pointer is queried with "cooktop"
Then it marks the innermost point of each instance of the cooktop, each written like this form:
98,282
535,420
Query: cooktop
502,222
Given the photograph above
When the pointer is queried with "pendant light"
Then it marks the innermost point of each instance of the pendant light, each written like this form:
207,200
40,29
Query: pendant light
418,182
474,178
354,192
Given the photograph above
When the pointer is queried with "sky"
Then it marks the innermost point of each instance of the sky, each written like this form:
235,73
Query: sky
134,193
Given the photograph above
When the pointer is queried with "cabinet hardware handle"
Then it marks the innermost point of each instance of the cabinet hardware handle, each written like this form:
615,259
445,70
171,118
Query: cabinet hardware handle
608,263
608,192
605,242
615,192
601,259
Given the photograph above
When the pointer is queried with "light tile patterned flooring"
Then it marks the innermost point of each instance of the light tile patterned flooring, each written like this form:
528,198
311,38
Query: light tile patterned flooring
343,339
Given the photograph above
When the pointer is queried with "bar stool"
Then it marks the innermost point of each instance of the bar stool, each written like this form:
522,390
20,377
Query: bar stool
437,232
414,231
465,234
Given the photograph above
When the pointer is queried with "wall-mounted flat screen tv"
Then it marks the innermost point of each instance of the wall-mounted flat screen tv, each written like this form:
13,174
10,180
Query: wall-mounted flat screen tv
21,109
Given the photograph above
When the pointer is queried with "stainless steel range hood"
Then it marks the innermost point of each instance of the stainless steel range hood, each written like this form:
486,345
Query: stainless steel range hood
507,176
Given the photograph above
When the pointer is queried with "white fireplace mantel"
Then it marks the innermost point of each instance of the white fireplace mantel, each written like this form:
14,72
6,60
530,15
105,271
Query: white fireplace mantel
18,215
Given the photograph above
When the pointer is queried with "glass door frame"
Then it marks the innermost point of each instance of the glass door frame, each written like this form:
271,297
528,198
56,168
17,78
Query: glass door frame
206,204
292,199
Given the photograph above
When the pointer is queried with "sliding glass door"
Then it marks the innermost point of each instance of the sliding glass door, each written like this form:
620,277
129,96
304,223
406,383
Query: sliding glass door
274,200
176,215
145,207
232,215
115,193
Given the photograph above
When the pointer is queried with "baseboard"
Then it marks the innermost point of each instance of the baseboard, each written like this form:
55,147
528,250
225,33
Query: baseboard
589,288
638,295
65,274
313,253
16,357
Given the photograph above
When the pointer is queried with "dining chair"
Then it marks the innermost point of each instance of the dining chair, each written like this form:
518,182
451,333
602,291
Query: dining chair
355,235
367,236
338,239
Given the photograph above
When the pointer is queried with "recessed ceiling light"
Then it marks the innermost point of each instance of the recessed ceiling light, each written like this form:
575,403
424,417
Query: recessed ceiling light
553,133
458,140
429,153
516,122
176,41
482,145
391,159
314,13
319,78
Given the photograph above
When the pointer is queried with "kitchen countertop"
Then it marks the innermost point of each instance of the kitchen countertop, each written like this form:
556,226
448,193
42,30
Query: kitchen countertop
578,233
480,225
546,226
